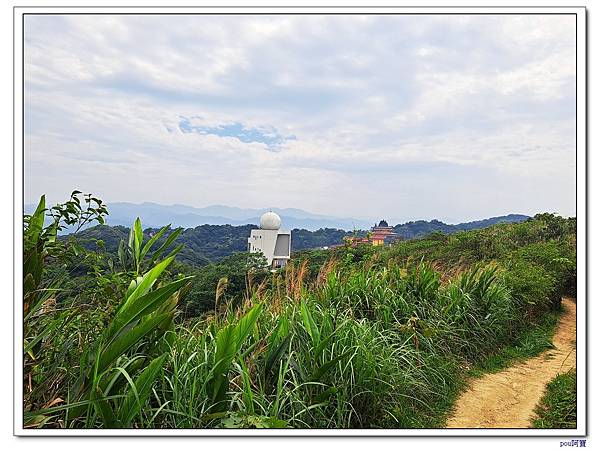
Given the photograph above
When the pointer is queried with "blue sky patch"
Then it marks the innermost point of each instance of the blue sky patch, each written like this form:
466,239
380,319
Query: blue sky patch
264,135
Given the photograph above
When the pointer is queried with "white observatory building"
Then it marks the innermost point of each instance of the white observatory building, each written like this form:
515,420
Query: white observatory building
273,242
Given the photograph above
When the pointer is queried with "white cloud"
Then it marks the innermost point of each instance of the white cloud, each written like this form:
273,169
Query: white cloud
373,102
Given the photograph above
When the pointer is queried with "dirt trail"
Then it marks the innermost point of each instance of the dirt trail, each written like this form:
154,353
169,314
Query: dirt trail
507,399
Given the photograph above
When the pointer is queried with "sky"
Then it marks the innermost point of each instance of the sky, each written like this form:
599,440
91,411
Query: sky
398,117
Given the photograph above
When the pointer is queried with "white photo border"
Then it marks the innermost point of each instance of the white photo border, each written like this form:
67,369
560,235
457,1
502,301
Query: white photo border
580,14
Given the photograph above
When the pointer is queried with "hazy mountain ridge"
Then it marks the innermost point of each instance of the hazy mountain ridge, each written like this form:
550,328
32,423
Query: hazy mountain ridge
155,215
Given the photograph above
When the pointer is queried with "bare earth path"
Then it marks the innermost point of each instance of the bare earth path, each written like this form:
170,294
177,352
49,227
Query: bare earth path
507,399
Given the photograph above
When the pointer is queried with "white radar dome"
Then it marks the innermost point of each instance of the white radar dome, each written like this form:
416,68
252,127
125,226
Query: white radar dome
270,221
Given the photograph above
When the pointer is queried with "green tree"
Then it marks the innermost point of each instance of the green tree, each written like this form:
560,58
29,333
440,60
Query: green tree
238,269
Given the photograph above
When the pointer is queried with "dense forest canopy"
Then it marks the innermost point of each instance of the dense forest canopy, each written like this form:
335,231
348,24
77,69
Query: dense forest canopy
206,244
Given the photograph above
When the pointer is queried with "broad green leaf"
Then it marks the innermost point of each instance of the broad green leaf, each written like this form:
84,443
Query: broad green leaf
225,348
36,222
276,353
176,250
147,281
131,242
138,237
225,343
122,255
142,306
126,340
166,244
310,324
111,385
244,326
134,284
319,348
109,420
298,369
324,396
136,399
153,239
321,371
274,422
281,331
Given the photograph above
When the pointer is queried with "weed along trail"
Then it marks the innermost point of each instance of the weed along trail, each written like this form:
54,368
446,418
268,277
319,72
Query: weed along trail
508,398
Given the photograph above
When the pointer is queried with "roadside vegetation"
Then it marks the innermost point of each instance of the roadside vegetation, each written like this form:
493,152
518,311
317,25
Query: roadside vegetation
347,338
530,342
558,408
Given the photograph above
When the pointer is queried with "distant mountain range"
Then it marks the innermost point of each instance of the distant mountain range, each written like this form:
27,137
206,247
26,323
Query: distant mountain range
154,215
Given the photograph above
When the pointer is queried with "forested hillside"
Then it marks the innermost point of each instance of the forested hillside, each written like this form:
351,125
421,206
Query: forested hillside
210,243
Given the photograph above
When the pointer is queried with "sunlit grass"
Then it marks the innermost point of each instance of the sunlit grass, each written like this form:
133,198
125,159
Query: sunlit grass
558,407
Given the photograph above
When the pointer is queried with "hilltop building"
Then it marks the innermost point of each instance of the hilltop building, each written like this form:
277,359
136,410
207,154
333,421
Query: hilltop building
273,242
380,234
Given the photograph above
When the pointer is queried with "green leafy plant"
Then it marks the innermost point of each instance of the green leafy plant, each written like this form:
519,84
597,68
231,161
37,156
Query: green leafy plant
126,346
228,344
40,245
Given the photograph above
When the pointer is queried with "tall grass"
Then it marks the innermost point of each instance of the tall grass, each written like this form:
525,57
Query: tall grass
375,348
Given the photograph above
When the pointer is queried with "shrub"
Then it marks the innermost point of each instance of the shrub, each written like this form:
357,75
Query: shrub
558,407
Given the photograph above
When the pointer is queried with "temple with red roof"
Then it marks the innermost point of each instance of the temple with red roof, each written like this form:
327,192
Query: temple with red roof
379,235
